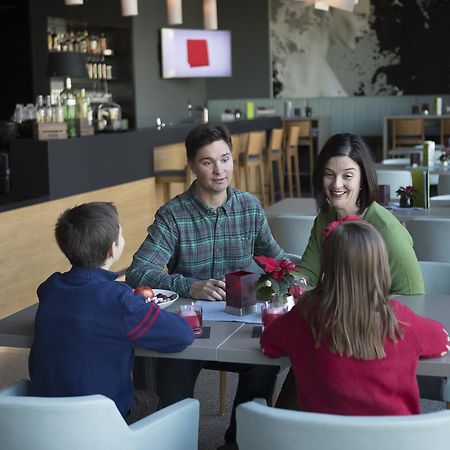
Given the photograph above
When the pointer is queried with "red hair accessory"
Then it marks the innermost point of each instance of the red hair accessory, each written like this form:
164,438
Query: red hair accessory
333,225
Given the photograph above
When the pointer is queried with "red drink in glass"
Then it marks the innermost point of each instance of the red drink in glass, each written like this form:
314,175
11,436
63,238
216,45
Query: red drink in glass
271,312
194,315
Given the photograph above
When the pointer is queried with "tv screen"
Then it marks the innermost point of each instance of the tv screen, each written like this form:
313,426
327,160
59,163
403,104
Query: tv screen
195,53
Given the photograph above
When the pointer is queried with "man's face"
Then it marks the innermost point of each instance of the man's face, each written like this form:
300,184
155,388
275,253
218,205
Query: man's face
213,166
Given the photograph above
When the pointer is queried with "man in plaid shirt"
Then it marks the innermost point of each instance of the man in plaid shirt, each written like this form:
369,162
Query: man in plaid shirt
200,235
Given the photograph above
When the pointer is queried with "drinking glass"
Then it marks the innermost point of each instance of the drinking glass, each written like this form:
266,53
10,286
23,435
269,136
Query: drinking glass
271,312
194,315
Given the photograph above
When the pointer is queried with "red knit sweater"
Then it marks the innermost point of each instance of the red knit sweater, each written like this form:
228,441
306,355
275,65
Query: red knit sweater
331,383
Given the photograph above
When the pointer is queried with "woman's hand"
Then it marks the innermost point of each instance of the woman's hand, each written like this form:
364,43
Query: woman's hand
212,290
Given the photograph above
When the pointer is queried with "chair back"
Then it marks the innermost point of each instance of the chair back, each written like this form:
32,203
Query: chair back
407,132
90,422
445,130
395,179
444,184
430,236
276,140
293,136
264,428
436,276
291,231
255,145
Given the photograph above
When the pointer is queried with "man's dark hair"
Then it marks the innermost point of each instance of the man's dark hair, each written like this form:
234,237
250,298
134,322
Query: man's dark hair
86,232
353,146
206,134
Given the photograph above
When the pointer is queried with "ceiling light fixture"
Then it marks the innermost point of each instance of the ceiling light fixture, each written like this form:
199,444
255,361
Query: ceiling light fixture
174,12
129,7
73,2
210,14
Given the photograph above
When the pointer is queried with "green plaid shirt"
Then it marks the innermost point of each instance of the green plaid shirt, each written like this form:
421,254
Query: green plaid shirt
197,242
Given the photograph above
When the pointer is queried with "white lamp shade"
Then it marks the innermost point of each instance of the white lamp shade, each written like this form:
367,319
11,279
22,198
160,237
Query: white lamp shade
174,12
73,2
346,5
210,14
323,5
129,7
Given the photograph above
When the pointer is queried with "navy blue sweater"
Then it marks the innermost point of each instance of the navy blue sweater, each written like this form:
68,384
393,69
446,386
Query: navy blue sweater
86,328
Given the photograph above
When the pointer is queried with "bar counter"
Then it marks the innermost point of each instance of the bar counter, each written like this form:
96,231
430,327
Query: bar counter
59,174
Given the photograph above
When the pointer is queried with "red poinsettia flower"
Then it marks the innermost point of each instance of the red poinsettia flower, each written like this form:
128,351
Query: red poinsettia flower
276,267
333,225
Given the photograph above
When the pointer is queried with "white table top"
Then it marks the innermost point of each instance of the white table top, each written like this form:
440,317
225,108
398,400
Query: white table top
305,207
232,341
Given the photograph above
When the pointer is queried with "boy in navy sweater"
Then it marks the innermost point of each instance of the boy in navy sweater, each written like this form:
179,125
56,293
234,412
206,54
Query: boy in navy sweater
87,324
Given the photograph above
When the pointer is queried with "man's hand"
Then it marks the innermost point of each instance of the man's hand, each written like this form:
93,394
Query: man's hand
208,290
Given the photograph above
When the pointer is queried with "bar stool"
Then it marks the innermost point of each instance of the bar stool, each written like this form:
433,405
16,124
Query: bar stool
275,155
305,140
170,167
291,153
236,141
252,161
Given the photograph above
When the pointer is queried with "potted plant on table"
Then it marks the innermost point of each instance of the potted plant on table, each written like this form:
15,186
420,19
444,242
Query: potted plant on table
281,282
445,156
406,196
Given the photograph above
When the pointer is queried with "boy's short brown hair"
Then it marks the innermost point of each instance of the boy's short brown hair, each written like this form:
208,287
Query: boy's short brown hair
86,232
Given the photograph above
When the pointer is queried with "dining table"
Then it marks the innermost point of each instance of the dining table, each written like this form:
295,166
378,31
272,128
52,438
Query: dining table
302,206
235,339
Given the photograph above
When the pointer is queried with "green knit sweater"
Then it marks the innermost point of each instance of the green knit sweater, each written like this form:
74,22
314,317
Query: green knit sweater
405,271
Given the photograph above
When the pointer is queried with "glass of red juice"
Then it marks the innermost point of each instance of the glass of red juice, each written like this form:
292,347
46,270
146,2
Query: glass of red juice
194,315
270,312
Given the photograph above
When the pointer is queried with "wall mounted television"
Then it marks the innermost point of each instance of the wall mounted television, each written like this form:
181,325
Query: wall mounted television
195,53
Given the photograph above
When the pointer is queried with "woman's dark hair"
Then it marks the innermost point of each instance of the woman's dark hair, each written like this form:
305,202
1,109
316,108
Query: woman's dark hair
353,146
206,134
86,232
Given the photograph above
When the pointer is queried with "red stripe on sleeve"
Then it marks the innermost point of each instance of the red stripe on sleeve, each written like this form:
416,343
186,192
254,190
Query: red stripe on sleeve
142,322
147,326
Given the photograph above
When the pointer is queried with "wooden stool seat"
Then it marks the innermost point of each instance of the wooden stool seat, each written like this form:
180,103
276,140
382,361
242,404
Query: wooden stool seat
273,155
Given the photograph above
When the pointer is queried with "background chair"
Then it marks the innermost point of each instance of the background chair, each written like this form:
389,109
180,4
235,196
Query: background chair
436,276
444,184
90,422
440,201
275,155
236,141
252,162
407,132
291,231
291,161
263,428
395,179
396,161
431,238
445,131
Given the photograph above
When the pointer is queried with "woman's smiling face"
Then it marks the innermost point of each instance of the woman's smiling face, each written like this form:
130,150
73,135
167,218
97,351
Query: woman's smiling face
342,183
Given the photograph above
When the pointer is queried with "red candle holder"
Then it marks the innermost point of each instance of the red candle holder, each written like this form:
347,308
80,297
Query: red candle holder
241,294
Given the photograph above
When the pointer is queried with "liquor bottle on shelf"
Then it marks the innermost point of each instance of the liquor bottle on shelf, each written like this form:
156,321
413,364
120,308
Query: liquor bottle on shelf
58,111
48,109
40,109
69,102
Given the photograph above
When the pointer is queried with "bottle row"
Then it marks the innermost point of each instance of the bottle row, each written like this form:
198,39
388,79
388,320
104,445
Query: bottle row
77,41
99,70
67,107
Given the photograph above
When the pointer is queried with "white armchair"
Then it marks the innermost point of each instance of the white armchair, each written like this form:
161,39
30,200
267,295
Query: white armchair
90,423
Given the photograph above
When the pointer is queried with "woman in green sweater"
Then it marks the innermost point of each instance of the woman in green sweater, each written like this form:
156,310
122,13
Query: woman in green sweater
345,183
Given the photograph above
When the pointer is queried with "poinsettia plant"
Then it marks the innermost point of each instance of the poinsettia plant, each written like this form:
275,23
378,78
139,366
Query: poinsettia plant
445,155
406,192
281,278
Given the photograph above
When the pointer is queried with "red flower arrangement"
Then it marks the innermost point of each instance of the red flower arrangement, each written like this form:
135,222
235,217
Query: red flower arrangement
281,278
406,192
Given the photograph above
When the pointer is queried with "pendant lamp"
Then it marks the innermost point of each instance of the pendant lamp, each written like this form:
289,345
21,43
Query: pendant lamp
129,7
210,14
73,2
174,12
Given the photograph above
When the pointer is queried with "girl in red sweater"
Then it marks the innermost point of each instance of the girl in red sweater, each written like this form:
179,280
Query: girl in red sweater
353,350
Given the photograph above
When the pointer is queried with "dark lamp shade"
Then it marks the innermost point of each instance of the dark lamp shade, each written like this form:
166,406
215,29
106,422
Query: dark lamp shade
66,64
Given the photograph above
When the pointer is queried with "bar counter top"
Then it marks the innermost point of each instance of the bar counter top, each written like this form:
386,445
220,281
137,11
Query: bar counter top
48,170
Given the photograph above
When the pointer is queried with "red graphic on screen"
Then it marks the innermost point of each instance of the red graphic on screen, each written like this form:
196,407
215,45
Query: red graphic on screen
197,50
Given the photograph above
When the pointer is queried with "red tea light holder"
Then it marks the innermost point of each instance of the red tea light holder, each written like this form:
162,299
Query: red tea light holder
241,294
384,194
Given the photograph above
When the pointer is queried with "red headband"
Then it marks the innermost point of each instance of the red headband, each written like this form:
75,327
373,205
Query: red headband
333,225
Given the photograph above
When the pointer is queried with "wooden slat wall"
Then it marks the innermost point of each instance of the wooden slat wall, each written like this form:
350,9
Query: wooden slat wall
28,250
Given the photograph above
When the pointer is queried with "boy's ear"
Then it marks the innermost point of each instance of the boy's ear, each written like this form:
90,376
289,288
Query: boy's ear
112,252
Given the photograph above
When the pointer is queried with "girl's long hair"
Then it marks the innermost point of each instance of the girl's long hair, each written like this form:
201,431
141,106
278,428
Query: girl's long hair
349,310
